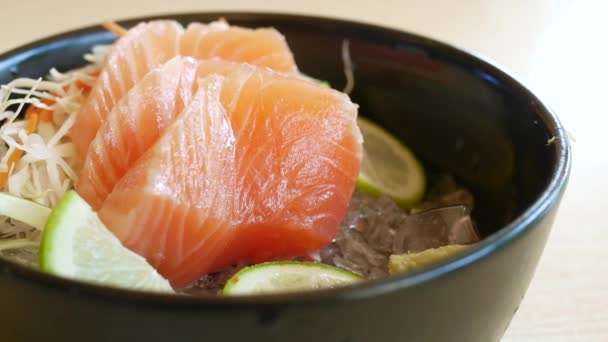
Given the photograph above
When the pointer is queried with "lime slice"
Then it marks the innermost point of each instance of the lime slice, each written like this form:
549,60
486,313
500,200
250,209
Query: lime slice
389,167
288,276
412,261
28,212
75,244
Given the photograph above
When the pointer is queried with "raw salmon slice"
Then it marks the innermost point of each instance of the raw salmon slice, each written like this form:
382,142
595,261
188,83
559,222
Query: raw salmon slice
264,47
149,45
143,48
137,121
259,166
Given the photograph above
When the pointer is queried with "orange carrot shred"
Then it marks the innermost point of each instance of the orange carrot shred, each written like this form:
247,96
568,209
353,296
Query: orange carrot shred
34,114
3,178
30,110
45,115
47,102
114,28
17,154
32,124
12,159
82,85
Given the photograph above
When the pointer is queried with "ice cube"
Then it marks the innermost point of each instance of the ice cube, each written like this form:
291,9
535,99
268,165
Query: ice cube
357,255
463,232
435,228
366,236
445,193
375,227
375,218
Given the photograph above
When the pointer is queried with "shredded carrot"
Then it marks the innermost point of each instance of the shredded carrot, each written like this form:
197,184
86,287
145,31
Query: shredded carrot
46,115
47,102
14,157
43,114
34,114
30,110
17,154
83,86
32,123
114,28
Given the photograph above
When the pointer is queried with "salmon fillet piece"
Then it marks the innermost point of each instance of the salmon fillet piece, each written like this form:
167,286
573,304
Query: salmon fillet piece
150,45
137,121
260,165
144,47
264,47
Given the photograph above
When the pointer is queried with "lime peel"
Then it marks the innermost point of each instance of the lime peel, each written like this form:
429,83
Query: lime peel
75,244
388,167
288,276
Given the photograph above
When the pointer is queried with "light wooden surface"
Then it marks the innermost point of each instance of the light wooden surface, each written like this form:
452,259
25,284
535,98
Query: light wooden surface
557,47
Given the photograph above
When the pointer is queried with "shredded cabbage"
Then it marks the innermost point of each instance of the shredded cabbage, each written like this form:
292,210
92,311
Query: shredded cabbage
47,168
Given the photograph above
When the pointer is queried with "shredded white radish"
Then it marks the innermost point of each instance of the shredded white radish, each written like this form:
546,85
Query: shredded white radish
348,68
46,170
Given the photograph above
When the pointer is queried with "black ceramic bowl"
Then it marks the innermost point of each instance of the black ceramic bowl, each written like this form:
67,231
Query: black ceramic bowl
457,112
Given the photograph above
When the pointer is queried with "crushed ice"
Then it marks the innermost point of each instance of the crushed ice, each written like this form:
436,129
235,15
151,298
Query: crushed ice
375,228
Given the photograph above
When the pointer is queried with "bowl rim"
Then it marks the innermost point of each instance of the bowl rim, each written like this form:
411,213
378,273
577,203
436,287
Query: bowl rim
514,230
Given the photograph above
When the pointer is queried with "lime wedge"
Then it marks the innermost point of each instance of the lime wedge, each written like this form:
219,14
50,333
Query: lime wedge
75,244
20,209
409,262
288,276
389,167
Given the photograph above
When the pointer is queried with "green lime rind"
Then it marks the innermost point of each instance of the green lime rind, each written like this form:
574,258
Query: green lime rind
76,244
405,202
23,210
318,275
406,182
47,254
325,84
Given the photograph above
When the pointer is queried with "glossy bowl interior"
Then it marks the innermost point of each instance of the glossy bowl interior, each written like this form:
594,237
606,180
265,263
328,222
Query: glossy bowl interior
457,112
